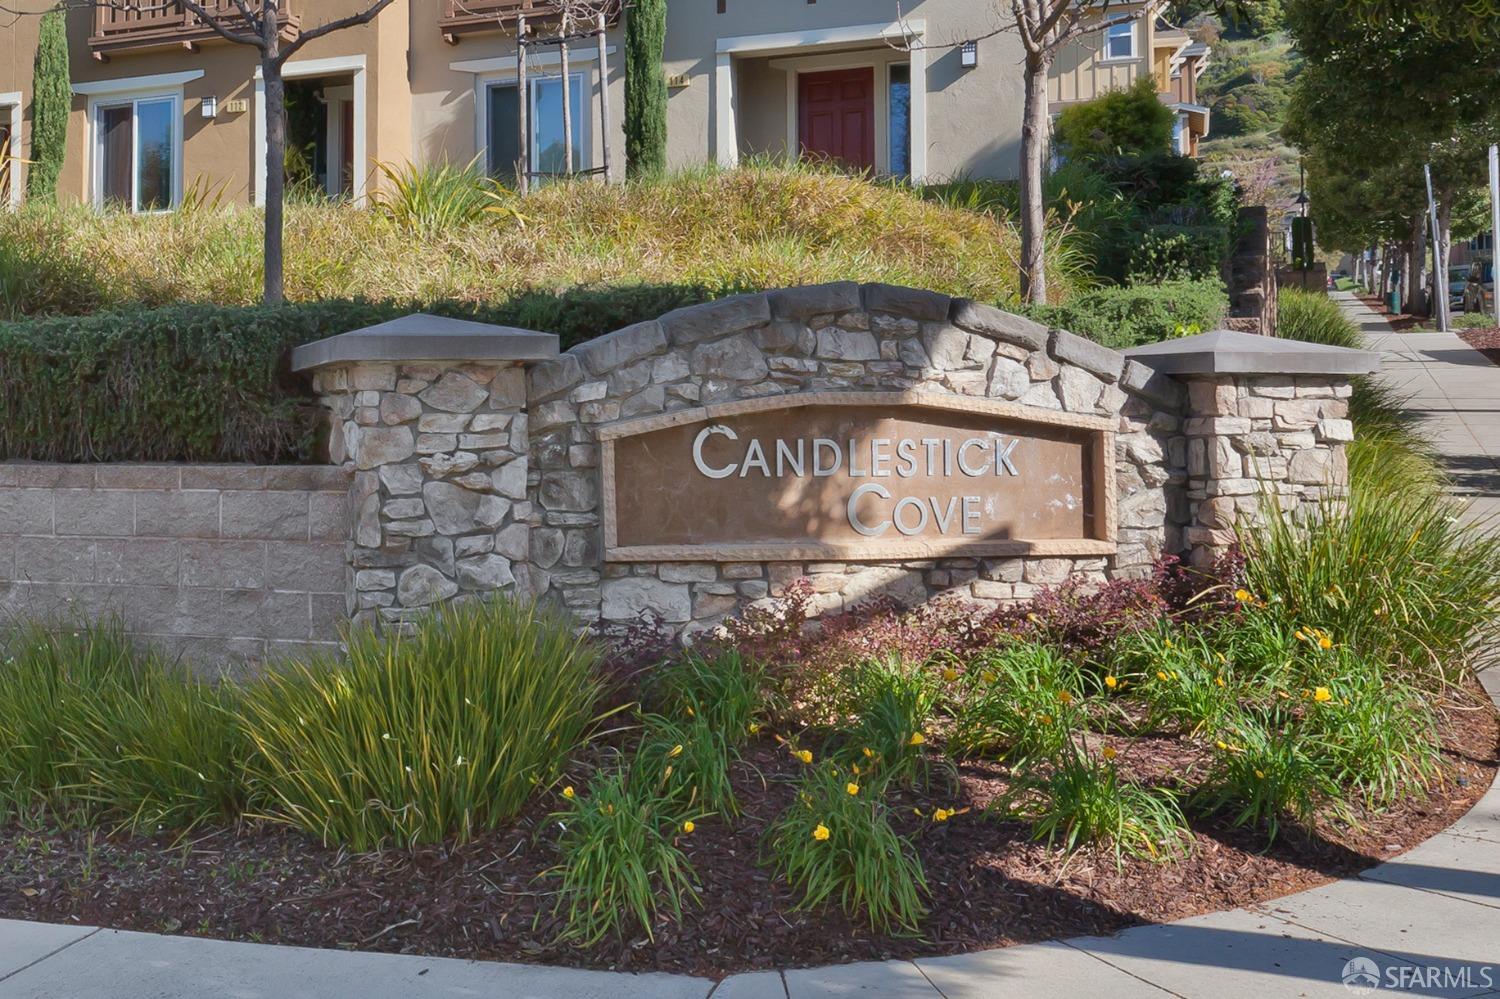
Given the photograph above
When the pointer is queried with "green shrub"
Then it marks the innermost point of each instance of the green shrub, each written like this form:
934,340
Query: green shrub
1019,702
1080,798
1128,317
211,384
446,732
1128,120
620,859
1178,253
93,726
1380,732
834,843
645,89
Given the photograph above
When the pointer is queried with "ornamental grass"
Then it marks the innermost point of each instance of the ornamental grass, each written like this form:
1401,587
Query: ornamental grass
446,732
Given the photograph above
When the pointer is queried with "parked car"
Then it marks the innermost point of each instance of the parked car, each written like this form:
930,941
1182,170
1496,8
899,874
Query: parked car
1479,287
1458,283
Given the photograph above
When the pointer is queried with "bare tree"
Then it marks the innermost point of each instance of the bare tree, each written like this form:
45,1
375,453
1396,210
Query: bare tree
258,25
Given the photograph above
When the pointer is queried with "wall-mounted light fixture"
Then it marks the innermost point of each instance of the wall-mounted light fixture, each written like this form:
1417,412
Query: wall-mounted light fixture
968,55
210,107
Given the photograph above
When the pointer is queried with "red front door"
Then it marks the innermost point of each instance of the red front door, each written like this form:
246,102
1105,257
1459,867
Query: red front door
836,116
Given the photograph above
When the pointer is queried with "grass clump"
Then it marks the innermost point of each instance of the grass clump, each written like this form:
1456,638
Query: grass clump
836,842
893,705
621,865
91,727
446,732
726,690
1080,798
1018,702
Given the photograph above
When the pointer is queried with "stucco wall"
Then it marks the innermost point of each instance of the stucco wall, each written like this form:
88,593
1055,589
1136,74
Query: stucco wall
224,565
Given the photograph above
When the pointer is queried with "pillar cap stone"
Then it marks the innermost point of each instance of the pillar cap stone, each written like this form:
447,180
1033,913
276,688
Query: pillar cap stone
1231,352
422,337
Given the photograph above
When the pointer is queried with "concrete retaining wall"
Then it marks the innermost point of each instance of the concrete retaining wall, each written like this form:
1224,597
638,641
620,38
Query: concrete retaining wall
220,564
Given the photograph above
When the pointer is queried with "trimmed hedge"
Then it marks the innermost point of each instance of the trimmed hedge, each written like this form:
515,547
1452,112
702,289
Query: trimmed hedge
202,383
1127,317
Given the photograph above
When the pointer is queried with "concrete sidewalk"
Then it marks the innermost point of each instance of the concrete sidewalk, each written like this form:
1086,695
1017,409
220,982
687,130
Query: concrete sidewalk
1427,923
1455,389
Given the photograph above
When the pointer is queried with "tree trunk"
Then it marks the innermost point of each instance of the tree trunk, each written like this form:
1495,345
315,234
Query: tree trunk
1035,139
1444,251
275,292
1416,283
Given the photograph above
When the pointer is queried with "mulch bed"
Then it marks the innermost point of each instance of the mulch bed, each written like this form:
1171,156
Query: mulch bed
991,886
1486,341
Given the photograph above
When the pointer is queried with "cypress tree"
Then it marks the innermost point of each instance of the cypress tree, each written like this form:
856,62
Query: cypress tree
645,88
51,102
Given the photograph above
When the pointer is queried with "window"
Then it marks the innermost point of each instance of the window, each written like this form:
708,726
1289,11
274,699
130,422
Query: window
137,145
1119,41
503,123
900,120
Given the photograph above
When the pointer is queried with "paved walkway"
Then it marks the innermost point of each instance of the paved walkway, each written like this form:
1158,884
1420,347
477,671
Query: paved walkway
1426,923
1456,389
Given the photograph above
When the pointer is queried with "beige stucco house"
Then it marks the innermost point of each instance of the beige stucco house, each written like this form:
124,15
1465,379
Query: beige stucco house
163,107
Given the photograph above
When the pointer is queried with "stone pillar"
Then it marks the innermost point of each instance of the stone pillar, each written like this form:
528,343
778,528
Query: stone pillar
1267,421
431,416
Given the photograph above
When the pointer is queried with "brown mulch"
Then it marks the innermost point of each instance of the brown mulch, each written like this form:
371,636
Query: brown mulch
991,886
1486,341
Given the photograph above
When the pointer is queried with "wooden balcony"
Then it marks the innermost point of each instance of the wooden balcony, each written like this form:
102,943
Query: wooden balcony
169,25
467,17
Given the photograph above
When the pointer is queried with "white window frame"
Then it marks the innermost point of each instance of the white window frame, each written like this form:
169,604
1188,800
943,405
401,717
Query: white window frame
585,78
1109,37
105,102
11,104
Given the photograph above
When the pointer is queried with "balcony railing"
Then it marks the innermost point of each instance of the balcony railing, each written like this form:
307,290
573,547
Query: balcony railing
462,17
163,24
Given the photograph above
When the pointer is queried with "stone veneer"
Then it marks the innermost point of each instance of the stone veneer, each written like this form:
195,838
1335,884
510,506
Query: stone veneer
832,338
222,564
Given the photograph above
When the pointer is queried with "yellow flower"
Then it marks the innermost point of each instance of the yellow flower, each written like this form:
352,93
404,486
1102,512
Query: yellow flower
676,751
854,767
690,711
1222,744
1111,682
869,753
688,826
851,787
805,755
568,792
1243,595
950,674
1046,719
1108,752
1260,774
988,677
609,809
820,833
1065,697
1219,680
1169,643
754,728
942,815
1299,635
1324,642
1322,695
1161,675
917,738
1033,619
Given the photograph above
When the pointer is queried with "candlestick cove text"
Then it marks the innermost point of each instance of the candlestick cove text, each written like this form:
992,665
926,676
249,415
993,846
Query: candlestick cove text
870,509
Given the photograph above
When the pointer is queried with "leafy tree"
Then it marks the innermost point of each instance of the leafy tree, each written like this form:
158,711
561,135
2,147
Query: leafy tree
645,89
1130,120
52,100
